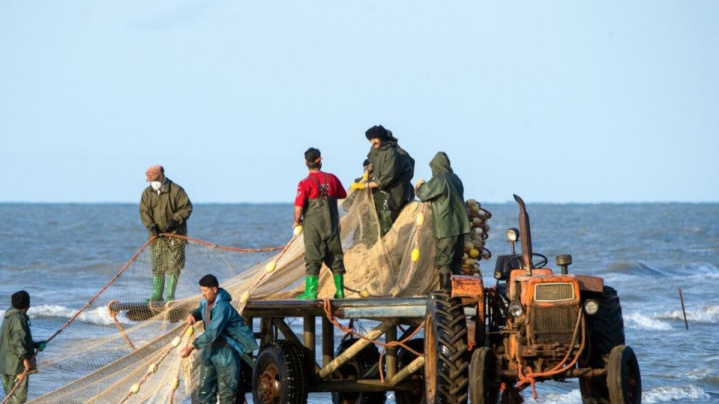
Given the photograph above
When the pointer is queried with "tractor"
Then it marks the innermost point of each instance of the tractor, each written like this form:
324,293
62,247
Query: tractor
486,344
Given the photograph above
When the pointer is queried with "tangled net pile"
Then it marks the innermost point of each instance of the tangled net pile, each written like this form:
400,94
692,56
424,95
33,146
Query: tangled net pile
138,361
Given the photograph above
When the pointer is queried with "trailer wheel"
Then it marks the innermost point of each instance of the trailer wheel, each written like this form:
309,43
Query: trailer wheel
484,379
445,350
404,358
355,369
623,377
278,376
606,331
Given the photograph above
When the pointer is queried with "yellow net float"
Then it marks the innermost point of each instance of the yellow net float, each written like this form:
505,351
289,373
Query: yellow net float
415,255
245,297
135,388
271,266
420,219
297,230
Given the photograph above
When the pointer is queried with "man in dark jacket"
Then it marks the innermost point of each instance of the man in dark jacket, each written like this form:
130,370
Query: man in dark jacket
450,221
316,209
165,208
226,337
390,170
17,349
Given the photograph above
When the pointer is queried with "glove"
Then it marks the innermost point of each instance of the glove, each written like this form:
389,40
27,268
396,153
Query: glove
420,183
357,185
155,230
41,345
171,225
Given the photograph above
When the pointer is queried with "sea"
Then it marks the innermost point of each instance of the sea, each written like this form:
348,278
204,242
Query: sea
62,254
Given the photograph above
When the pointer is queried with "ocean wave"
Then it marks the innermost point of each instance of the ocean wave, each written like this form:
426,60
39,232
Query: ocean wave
707,315
572,397
640,321
668,393
634,269
97,316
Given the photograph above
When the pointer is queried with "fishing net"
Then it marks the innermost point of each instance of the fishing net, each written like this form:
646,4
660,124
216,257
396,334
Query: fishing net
134,357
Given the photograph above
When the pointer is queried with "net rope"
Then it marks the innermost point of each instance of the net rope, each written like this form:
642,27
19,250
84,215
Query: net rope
106,356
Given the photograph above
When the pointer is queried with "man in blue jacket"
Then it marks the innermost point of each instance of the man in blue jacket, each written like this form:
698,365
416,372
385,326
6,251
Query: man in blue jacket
226,337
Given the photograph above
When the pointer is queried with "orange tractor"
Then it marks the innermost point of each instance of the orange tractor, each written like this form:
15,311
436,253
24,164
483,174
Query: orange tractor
486,344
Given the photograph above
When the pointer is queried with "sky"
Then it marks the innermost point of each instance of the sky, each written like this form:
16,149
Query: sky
556,101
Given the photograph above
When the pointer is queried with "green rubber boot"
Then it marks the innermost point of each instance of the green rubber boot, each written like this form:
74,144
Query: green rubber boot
158,286
171,286
311,282
340,286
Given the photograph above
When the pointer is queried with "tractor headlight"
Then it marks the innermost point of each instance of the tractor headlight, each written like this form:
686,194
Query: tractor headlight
512,234
516,309
591,307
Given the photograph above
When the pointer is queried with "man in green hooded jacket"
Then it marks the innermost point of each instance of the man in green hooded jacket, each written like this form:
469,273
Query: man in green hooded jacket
17,349
165,208
450,221
390,170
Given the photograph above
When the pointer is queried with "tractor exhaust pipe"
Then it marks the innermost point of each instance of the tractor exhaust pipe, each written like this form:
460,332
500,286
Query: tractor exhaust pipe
526,236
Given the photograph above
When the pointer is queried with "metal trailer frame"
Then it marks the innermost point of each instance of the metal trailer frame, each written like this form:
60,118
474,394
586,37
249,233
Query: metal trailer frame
389,312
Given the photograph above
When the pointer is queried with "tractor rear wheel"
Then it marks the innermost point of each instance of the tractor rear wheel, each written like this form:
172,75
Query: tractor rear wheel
278,375
355,369
623,377
606,331
445,350
484,379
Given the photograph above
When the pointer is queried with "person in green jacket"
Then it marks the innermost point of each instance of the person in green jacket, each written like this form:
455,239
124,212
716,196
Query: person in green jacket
225,338
165,208
17,349
450,221
390,171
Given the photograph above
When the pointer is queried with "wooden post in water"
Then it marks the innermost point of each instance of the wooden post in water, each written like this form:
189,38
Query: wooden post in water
683,311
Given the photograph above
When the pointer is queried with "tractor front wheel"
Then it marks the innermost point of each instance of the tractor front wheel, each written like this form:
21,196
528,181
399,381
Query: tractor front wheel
623,377
484,379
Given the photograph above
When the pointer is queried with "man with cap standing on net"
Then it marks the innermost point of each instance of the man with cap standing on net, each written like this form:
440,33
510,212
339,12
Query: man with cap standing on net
17,349
450,221
165,208
390,170
316,209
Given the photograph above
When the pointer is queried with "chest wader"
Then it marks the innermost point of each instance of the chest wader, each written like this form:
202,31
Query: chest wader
168,258
448,252
384,211
322,242
219,369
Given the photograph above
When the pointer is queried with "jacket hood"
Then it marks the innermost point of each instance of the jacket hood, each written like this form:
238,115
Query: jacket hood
12,311
440,164
223,295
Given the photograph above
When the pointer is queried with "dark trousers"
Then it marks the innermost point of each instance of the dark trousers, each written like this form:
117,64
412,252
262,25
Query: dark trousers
219,376
448,252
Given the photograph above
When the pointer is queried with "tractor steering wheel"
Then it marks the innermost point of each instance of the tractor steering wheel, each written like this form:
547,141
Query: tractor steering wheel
541,263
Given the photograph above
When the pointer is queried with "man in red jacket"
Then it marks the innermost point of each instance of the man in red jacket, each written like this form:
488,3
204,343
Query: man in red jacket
316,209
